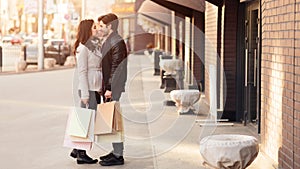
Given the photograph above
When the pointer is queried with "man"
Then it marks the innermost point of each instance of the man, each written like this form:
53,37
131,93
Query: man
114,68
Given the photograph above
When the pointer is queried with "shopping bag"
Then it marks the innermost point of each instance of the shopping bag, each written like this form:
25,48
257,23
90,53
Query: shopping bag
85,143
109,124
106,139
90,135
108,118
117,119
77,145
79,122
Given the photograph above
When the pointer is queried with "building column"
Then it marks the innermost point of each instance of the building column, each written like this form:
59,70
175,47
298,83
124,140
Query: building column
229,57
198,44
180,35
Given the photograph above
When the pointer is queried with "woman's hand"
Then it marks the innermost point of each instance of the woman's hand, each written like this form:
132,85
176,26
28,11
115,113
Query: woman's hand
85,101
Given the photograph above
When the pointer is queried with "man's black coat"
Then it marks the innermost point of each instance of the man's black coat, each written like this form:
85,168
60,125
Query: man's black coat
114,64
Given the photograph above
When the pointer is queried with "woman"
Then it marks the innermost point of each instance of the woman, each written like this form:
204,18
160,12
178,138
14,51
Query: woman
88,61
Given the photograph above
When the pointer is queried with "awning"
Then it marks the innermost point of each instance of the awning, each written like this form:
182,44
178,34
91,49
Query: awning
198,5
215,2
153,17
184,7
155,12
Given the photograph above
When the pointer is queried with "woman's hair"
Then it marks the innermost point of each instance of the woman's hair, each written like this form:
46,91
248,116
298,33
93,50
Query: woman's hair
84,32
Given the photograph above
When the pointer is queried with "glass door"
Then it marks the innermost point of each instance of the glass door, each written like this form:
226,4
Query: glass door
252,63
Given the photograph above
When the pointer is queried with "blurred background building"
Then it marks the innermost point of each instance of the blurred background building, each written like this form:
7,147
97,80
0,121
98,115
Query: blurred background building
20,17
125,9
60,16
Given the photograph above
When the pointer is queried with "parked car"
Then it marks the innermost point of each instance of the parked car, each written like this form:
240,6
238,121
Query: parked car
6,39
57,49
16,40
29,40
31,55
53,48
11,39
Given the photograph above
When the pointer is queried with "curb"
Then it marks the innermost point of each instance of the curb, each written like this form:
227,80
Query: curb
35,70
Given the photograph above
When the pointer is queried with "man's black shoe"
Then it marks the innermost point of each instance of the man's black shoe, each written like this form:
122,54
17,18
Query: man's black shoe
83,158
113,160
106,156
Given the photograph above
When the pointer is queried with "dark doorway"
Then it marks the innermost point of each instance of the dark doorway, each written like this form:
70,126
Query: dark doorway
252,63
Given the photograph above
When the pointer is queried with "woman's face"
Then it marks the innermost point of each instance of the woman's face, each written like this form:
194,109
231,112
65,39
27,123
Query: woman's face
94,30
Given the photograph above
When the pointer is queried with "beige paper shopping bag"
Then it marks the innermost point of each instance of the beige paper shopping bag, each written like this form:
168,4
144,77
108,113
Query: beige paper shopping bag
109,126
108,118
117,119
104,118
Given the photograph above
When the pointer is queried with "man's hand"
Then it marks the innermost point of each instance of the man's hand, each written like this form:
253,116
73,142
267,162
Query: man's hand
107,94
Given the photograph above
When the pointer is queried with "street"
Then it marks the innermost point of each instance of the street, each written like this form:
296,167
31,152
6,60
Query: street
34,108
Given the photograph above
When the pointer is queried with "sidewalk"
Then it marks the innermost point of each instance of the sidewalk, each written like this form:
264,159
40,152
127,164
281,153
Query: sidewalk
155,135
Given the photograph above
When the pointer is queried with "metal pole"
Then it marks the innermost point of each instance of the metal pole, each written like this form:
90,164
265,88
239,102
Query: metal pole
25,53
40,35
1,58
59,54
1,19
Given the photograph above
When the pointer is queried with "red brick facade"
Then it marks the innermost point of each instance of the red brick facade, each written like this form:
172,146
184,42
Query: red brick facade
280,98
297,86
280,74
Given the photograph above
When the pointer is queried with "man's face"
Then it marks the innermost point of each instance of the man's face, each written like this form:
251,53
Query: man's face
103,29
99,33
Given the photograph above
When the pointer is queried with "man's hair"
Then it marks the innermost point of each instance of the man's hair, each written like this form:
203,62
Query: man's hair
111,19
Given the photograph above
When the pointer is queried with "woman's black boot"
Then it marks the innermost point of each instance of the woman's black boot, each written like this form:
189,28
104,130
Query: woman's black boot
74,153
83,158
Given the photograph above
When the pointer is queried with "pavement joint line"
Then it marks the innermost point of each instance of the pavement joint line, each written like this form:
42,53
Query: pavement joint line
154,157
137,77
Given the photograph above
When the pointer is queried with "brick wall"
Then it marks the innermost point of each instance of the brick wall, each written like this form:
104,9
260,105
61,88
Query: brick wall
297,86
280,119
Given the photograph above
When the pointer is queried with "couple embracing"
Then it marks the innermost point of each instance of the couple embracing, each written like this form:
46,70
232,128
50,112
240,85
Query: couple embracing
101,60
